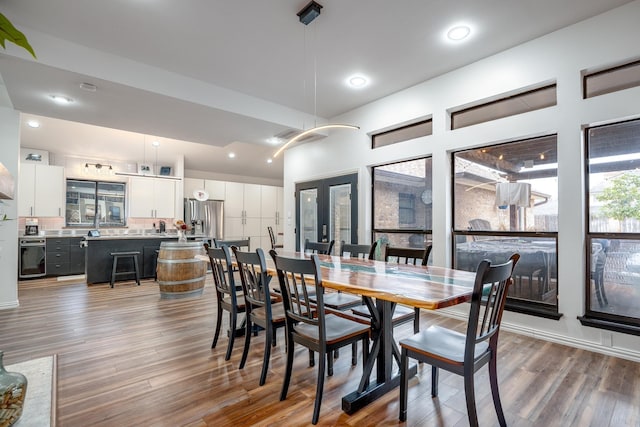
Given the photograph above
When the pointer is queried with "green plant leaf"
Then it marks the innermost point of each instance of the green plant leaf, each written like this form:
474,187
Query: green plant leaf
12,34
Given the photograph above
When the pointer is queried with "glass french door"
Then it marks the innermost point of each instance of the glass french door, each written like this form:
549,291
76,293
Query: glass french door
327,210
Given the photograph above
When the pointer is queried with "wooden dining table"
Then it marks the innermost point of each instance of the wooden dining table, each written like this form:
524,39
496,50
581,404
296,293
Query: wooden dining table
383,285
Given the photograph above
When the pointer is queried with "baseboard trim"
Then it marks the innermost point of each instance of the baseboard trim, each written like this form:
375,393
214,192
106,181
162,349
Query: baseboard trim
622,353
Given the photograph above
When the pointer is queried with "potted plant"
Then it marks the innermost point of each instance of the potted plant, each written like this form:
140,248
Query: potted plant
10,33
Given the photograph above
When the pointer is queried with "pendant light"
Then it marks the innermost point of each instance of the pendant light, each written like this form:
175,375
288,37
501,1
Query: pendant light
306,16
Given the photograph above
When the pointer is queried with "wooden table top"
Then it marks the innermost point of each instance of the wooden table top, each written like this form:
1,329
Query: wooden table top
424,287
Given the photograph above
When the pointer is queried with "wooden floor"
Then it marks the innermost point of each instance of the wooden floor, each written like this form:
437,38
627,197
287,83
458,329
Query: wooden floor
128,358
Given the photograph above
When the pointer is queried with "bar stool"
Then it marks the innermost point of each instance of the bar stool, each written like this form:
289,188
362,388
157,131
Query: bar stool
122,255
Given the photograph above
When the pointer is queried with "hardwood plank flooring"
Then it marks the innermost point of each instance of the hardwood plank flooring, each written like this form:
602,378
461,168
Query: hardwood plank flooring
128,358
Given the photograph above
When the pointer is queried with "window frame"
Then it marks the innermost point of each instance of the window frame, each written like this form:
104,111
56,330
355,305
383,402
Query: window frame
595,318
426,232
530,307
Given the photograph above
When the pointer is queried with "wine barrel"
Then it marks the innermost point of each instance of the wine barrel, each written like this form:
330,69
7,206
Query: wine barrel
180,273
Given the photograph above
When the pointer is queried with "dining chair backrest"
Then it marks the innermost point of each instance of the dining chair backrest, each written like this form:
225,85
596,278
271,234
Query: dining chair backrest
272,237
240,243
321,248
223,279
479,224
358,251
487,303
415,256
252,269
295,276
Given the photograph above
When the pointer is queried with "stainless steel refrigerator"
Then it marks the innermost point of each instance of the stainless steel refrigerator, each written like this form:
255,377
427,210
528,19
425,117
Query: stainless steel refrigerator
205,217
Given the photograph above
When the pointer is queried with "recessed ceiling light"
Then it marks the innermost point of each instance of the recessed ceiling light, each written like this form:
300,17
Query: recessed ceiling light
155,143
269,160
274,140
458,32
33,124
62,100
232,155
357,81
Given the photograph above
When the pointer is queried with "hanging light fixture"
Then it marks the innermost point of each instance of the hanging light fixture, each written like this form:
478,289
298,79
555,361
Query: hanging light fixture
308,13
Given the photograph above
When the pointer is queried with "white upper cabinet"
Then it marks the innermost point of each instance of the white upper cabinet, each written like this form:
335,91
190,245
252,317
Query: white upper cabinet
191,185
41,190
151,198
215,189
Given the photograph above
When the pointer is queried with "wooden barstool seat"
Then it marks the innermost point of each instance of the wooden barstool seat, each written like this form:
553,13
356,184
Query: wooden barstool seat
123,255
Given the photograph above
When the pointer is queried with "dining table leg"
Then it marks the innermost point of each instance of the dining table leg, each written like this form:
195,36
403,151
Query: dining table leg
383,352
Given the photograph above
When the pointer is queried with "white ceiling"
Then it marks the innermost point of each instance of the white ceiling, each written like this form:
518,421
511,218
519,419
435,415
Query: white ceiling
227,75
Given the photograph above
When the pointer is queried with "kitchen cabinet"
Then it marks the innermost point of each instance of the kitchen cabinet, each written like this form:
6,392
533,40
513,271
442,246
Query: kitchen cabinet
64,256
41,190
242,212
271,207
216,189
191,185
152,198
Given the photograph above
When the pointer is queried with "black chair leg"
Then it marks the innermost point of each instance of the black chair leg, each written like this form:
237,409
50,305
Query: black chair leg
330,356
312,361
354,353
469,393
247,342
493,380
404,385
265,358
232,334
416,321
218,326
434,381
137,271
319,388
288,369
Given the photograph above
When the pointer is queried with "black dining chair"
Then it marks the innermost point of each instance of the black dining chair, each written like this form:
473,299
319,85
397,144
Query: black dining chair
259,308
414,256
228,297
358,251
321,248
464,353
308,324
272,239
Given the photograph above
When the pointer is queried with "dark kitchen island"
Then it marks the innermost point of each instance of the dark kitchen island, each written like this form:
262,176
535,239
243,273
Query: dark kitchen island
98,261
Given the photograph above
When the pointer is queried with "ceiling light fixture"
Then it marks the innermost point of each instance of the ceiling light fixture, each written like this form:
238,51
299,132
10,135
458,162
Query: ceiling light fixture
306,15
232,155
458,32
33,124
269,160
88,87
62,100
358,81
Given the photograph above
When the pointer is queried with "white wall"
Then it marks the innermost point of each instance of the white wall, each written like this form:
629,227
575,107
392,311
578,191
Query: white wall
9,155
560,56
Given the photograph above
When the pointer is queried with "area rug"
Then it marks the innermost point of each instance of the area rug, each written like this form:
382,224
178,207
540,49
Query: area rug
39,405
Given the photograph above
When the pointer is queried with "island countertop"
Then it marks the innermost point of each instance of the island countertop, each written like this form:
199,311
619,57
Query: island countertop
98,259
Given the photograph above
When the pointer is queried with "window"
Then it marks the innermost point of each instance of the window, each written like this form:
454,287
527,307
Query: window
613,237
505,201
403,133
611,79
402,205
95,204
504,107
407,208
